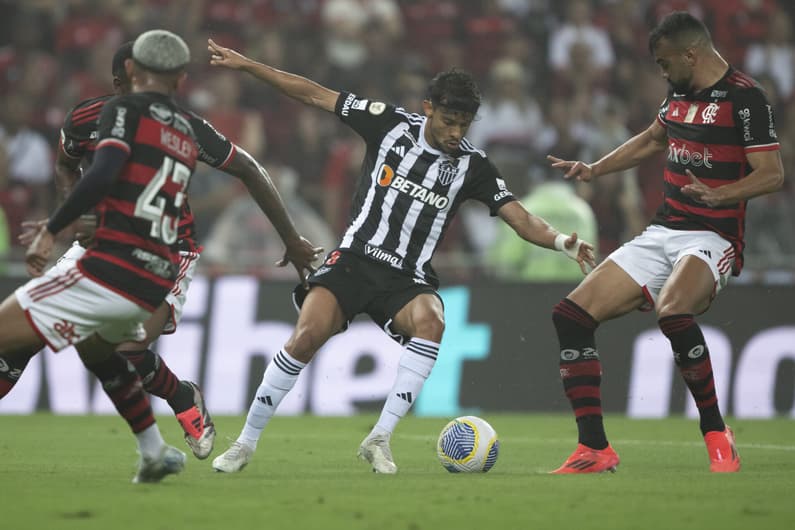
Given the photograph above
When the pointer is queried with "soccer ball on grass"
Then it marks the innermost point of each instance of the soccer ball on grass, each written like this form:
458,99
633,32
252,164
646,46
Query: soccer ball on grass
468,445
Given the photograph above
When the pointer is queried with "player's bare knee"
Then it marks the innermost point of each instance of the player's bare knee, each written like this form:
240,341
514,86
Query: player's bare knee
430,326
304,343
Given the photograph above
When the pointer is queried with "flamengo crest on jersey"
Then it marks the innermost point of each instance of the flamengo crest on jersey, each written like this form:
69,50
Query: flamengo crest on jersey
710,134
408,191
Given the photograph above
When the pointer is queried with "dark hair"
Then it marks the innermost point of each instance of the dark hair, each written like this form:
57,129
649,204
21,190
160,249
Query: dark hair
680,27
456,90
122,54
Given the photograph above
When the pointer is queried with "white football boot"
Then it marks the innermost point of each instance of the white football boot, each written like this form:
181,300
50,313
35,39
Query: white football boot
233,459
375,449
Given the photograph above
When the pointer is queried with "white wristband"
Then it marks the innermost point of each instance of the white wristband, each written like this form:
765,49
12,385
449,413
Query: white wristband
560,241
560,245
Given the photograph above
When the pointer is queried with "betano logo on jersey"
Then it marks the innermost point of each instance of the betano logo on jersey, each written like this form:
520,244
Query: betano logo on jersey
387,178
683,155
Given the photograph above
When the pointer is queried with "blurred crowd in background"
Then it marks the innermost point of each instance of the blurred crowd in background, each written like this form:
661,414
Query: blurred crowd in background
573,78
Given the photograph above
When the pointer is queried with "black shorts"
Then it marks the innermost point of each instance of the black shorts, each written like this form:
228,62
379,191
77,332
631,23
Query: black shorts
362,285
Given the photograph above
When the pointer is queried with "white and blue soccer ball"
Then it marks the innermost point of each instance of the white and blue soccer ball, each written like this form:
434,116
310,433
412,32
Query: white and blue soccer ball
468,445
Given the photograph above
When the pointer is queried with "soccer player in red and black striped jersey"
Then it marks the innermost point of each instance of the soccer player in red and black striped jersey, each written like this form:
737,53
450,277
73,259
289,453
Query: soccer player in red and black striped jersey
416,173
145,156
76,149
718,129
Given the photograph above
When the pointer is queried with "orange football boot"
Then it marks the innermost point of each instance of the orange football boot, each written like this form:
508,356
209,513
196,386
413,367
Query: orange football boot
723,455
588,460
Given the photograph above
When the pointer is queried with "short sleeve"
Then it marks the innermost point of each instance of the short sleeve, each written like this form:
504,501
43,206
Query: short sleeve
79,127
69,143
488,187
370,119
662,111
118,124
215,149
755,120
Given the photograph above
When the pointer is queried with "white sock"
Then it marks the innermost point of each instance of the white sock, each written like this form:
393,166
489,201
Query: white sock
279,378
414,368
150,441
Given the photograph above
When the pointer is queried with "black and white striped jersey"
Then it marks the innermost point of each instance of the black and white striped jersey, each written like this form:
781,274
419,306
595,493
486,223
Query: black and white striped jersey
408,191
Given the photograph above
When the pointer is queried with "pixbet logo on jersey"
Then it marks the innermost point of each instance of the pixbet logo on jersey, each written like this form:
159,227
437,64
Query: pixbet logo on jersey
686,157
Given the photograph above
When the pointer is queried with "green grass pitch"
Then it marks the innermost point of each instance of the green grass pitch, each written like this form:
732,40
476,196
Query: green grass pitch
74,472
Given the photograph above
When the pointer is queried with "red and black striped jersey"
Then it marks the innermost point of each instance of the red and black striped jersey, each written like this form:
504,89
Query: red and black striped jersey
79,136
135,250
710,132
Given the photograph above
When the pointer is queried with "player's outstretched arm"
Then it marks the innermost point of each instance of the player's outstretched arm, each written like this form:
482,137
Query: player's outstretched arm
298,251
537,231
297,87
627,155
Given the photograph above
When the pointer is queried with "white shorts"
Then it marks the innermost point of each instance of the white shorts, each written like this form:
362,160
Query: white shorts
175,298
64,308
650,258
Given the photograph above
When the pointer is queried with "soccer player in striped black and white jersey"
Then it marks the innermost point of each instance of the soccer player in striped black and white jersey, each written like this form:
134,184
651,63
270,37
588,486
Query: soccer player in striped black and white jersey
417,171
718,130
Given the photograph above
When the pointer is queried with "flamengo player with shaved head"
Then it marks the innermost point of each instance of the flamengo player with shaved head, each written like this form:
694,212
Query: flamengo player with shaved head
718,129
78,141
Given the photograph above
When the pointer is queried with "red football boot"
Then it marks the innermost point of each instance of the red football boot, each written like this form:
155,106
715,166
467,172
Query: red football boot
588,460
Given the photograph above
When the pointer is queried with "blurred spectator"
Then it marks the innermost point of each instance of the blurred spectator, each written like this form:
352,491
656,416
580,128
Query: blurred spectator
770,222
555,201
578,28
566,61
738,23
88,24
30,158
615,198
308,152
24,47
340,178
244,240
509,115
345,22
775,56
431,25
486,32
